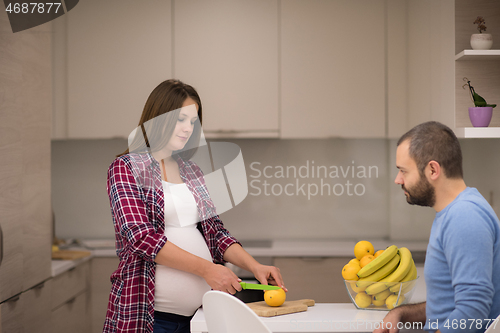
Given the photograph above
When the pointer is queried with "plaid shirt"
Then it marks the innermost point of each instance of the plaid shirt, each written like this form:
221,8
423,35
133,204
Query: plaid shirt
136,197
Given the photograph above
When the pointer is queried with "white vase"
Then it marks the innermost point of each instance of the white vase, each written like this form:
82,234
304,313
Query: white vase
481,41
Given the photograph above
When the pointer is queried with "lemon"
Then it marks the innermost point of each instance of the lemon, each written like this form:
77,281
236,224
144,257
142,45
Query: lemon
379,302
275,297
363,300
391,301
354,261
355,288
362,248
350,272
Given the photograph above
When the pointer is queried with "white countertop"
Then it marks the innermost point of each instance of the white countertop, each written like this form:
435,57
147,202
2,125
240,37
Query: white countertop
61,266
322,317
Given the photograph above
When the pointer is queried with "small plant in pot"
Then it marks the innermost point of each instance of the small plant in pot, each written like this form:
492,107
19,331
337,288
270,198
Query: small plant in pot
479,115
481,41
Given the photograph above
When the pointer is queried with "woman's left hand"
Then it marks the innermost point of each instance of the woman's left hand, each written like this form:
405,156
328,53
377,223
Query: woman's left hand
269,275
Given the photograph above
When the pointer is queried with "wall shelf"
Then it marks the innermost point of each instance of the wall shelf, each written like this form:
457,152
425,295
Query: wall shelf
478,132
482,55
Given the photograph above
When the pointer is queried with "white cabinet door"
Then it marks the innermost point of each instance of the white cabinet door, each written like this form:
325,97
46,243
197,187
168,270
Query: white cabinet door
228,50
333,69
117,52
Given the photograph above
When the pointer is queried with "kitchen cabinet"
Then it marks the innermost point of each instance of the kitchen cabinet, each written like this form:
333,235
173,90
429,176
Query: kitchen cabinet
107,69
316,278
25,109
28,312
70,300
101,270
332,58
228,50
481,67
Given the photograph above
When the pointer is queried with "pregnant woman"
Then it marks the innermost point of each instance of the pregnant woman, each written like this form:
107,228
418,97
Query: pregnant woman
168,236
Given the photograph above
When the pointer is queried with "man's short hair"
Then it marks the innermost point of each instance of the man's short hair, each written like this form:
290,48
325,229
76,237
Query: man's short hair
433,141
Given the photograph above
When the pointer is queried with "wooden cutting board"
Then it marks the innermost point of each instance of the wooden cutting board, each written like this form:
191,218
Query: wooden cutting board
69,254
264,310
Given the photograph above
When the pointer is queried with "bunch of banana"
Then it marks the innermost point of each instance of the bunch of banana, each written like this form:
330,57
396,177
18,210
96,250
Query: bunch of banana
384,272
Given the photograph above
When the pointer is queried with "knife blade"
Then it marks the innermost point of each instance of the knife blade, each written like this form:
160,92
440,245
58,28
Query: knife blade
255,286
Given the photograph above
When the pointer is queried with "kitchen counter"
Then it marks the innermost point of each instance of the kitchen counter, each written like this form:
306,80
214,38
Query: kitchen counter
257,248
285,248
319,248
322,317
61,266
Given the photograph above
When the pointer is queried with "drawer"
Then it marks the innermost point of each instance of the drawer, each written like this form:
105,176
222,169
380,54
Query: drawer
100,286
72,316
36,312
12,315
67,285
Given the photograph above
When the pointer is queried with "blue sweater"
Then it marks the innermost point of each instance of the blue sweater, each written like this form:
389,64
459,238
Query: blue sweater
462,266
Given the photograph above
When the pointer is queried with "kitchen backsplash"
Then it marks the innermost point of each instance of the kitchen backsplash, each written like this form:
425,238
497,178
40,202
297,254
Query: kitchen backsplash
299,189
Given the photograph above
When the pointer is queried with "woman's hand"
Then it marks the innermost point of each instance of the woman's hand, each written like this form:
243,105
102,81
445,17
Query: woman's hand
268,275
221,278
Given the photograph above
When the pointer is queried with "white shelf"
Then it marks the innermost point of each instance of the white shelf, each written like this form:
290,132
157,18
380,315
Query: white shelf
478,132
478,55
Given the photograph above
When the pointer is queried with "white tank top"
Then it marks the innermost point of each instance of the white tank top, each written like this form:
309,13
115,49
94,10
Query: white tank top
177,291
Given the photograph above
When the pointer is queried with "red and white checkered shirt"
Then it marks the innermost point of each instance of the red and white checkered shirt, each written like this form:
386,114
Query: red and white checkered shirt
137,207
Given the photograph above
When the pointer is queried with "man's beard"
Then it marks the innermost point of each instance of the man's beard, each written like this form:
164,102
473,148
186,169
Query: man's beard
422,194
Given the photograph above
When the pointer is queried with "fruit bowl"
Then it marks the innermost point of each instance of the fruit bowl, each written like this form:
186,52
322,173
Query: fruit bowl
394,293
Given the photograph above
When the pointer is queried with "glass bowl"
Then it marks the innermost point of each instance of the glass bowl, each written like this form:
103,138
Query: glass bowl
400,293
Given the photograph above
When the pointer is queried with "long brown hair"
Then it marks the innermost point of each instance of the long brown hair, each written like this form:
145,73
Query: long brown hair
166,99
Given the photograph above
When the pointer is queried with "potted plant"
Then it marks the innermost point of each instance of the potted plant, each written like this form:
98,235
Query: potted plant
481,41
479,115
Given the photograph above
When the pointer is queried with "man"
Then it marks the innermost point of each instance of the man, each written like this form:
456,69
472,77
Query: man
462,265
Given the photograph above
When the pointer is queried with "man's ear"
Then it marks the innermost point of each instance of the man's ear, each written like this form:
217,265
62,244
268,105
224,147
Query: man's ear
433,170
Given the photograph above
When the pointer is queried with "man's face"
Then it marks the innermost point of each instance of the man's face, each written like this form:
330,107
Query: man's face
417,188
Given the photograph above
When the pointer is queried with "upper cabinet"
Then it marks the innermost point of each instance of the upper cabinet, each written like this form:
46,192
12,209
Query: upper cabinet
481,67
271,68
228,50
332,69
108,55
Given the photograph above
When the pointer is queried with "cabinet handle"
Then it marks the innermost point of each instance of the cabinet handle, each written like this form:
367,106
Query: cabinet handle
313,259
40,285
13,299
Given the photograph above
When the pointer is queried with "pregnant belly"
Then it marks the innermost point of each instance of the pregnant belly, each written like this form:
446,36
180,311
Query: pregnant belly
177,291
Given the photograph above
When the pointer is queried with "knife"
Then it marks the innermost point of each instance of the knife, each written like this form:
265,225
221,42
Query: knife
255,286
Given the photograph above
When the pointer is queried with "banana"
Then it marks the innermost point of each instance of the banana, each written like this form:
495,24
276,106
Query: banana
412,275
378,262
370,282
411,282
403,268
382,295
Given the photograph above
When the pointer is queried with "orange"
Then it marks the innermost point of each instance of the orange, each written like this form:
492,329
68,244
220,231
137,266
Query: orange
365,260
362,248
275,297
350,272
379,252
